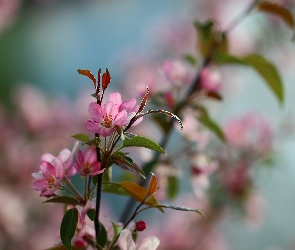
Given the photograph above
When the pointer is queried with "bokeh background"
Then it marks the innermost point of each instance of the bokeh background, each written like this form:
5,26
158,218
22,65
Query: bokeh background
44,101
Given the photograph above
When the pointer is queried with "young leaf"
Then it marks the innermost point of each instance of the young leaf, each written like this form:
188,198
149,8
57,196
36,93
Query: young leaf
144,100
153,186
91,214
278,10
138,193
262,66
269,73
103,236
107,175
205,36
127,164
212,125
87,73
114,188
81,137
132,189
181,209
190,59
106,79
173,187
140,141
68,227
93,142
63,199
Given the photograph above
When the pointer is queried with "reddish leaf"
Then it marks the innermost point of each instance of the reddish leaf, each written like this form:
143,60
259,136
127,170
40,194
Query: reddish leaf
153,186
87,73
278,10
106,79
144,100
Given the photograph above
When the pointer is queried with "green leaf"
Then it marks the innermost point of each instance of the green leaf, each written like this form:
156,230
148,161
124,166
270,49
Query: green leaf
140,141
205,36
116,229
114,188
103,236
186,209
81,137
223,58
91,214
212,125
173,187
262,66
269,73
127,163
107,175
190,59
63,199
68,227
278,10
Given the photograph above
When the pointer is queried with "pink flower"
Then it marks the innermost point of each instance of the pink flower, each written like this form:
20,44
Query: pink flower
210,80
202,168
176,73
250,132
67,158
87,164
126,242
114,112
52,175
82,229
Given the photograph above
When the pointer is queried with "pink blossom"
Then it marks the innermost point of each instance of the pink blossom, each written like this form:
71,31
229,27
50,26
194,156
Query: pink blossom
52,175
210,80
176,72
82,229
114,112
87,164
67,158
126,242
128,105
202,168
249,132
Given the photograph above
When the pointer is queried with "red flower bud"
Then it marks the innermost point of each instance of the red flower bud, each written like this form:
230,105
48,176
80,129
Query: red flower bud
140,225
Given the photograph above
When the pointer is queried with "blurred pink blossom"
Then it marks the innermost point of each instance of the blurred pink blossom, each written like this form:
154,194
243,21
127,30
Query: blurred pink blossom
250,132
210,80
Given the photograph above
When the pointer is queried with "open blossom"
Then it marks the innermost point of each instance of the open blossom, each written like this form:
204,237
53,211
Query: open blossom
67,158
87,164
114,112
51,176
126,242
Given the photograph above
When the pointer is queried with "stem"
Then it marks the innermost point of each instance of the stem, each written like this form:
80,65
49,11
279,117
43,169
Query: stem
71,186
98,196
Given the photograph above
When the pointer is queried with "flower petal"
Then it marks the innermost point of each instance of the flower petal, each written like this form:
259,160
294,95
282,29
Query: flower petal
92,126
150,243
125,240
95,111
128,105
59,168
121,119
47,168
40,185
116,97
111,108
90,154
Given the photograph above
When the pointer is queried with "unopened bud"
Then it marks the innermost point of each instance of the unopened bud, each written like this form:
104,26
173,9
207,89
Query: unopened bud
140,225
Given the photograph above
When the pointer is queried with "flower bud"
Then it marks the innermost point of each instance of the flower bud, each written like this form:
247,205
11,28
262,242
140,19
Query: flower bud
140,225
